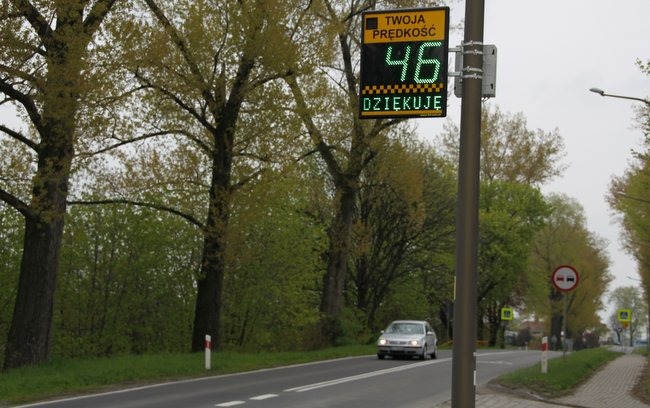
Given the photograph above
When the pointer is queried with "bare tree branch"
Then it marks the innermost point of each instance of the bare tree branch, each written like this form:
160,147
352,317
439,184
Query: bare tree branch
26,101
142,137
154,206
182,48
19,137
176,99
35,19
18,204
96,15
314,132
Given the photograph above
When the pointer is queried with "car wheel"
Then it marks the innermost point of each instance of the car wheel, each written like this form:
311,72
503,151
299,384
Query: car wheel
380,356
424,353
434,355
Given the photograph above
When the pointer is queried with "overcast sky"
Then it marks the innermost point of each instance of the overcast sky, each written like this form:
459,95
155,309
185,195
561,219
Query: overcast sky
549,54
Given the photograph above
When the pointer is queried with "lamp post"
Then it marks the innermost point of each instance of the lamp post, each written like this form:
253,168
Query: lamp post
602,93
625,195
622,194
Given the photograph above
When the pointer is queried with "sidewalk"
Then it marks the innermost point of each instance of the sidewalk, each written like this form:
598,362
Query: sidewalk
609,387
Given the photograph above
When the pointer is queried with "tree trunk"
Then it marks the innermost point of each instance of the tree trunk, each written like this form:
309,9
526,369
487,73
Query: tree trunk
334,279
65,49
31,325
493,329
30,332
207,314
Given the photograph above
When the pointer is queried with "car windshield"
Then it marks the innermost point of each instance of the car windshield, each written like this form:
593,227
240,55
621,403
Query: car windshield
405,328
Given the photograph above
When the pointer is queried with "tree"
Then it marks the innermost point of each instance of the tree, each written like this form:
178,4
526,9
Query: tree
510,216
45,48
565,240
344,143
126,283
629,297
200,92
509,150
631,199
390,218
274,262
514,162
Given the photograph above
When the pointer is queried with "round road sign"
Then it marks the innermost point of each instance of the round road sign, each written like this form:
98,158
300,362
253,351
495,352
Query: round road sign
565,278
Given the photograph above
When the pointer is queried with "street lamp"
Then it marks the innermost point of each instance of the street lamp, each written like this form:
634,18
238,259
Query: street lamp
624,195
602,93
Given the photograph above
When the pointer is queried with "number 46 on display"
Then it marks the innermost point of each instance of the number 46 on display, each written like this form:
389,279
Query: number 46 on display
404,62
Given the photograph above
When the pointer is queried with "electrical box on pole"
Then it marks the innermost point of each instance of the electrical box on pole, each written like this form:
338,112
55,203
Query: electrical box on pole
489,72
404,57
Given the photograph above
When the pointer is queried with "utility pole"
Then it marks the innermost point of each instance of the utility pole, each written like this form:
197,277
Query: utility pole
463,391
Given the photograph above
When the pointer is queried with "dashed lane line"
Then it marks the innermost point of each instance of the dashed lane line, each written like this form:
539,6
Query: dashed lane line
263,397
337,381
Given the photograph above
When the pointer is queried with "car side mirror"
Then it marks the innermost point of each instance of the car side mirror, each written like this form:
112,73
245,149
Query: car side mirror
381,331
431,333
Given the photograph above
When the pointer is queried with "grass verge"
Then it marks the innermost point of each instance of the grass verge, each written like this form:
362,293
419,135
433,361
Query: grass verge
563,374
61,377
642,390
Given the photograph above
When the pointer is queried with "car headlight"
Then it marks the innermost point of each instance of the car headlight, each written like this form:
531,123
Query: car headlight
382,342
414,342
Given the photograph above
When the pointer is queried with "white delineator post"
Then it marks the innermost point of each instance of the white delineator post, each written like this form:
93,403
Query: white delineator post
544,354
208,349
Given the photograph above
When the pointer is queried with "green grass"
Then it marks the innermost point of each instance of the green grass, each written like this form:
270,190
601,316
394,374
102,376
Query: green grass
563,374
61,377
646,375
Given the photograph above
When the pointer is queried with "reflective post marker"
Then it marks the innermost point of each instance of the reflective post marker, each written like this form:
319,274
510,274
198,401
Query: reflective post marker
545,354
208,351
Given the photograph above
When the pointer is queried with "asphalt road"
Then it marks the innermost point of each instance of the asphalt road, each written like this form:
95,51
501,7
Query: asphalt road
352,382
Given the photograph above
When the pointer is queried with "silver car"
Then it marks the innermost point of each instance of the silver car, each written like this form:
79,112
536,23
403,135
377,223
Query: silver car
407,338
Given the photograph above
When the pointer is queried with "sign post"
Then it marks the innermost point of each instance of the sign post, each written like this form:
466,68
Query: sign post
565,278
544,354
404,57
625,317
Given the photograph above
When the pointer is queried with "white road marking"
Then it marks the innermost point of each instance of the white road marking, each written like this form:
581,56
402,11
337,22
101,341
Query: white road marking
323,384
495,362
264,397
193,380
230,404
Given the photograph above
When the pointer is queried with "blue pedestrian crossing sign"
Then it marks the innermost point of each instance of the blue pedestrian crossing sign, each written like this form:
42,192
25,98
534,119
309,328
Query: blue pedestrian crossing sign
624,315
507,313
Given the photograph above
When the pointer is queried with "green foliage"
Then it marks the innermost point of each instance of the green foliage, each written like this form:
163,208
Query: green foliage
407,300
510,215
565,240
11,236
126,282
274,265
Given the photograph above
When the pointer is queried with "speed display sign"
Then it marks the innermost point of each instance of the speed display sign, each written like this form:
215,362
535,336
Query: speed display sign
404,63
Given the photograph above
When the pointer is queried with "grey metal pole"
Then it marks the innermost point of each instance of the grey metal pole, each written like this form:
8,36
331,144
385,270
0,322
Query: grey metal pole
564,333
463,390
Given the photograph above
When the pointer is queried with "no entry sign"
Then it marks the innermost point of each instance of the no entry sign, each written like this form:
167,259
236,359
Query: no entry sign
565,278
